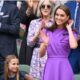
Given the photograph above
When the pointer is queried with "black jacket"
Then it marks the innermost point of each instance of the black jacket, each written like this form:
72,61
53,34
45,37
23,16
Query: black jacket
9,29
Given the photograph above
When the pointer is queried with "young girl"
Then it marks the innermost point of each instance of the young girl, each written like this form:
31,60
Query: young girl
11,70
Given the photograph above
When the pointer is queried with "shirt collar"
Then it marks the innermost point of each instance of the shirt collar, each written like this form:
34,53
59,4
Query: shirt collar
51,19
1,3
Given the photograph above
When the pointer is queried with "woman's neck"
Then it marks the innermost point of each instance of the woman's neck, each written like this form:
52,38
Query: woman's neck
11,74
46,18
60,27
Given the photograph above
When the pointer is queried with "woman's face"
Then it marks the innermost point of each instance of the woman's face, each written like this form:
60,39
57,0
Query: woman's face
46,8
60,17
13,65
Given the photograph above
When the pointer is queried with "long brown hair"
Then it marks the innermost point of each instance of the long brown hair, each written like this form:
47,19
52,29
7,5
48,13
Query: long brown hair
66,10
6,65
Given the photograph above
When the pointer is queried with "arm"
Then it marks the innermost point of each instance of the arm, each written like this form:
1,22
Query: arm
44,44
10,25
25,75
72,40
32,36
34,32
42,49
28,77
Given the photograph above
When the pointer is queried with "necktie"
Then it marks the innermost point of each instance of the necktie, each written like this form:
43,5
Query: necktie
77,23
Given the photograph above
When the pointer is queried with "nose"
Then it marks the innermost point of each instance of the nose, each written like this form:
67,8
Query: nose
45,7
58,17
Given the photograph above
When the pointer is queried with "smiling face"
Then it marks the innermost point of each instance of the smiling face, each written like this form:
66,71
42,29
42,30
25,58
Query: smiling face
60,17
13,65
46,8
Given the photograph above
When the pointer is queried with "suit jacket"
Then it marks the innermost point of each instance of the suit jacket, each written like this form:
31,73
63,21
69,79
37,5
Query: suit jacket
12,2
9,29
72,7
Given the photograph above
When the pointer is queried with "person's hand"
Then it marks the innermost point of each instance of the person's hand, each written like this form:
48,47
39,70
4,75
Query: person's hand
22,26
28,77
69,24
44,37
40,28
42,24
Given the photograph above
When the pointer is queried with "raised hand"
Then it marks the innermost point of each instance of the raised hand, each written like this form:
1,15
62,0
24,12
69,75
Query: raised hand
69,24
44,37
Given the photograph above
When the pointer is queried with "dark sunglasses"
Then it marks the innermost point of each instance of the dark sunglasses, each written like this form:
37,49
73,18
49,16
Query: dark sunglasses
47,6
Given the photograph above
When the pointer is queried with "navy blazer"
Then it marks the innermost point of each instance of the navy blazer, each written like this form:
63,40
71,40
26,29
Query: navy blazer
72,7
9,29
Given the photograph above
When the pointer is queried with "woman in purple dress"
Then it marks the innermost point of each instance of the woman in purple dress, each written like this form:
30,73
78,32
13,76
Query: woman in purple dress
58,40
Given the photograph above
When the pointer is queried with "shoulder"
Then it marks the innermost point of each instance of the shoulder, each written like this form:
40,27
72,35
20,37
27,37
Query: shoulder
70,3
35,20
9,6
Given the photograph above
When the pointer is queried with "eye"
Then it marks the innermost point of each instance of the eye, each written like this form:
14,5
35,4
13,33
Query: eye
17,63
14,63
56,14
62,15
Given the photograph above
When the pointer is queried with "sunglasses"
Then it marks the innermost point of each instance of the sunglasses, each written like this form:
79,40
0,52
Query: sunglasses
46,6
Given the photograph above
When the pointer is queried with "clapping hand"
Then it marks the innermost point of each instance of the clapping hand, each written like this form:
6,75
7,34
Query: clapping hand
40,28
44,37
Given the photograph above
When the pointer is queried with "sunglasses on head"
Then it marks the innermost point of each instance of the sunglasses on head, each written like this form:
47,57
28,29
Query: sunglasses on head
46,6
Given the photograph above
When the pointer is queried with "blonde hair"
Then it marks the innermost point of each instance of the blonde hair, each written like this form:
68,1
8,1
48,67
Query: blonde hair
40,4
6,63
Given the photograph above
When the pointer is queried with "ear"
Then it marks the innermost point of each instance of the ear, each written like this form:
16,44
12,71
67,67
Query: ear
67,18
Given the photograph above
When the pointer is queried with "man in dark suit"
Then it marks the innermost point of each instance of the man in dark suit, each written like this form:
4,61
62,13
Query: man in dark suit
74,57
9,30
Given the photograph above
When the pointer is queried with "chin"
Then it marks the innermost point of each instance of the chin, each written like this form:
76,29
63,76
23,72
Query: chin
15,71
59,23
46,14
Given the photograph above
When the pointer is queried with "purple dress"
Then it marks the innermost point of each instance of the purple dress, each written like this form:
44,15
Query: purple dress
57,65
